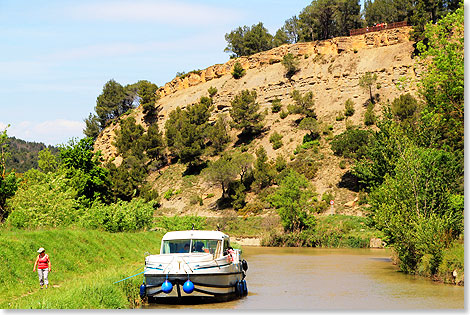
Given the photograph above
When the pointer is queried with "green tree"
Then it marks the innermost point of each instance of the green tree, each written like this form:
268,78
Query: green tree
185,131
292,29
243,163
310,124
82,167
369,115
349,108
112,102
347,16
148,97
128,138
280,38
415,208
238,71
47,161
291,64
404,107
212,91
317,20
92,126
353,143
8,180
218,135
245,41
276,140
263,172
44,200
381,153
303,104
245,113
222,171
154,145
366,81
292,200
128,178
443,82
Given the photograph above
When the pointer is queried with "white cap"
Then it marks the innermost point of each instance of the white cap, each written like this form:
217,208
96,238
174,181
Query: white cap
40,250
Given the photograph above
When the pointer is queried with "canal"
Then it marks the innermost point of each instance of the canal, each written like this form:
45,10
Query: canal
333,279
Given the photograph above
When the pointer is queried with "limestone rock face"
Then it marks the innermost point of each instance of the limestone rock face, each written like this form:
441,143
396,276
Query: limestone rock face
327,47
330,69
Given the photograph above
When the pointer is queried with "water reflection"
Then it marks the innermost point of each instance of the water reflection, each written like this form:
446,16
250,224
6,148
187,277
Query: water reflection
333,279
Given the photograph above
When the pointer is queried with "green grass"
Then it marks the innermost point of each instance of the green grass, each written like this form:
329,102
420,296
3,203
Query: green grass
85,264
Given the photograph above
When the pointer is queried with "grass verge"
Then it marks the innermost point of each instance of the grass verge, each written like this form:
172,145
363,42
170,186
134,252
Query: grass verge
85,264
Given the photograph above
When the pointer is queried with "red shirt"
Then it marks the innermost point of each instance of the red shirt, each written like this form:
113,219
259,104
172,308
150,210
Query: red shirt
43,262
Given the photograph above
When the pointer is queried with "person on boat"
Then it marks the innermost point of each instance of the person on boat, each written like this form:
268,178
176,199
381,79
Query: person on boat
43,264
185,249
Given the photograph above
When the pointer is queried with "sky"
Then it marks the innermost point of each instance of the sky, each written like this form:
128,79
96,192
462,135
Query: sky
55,56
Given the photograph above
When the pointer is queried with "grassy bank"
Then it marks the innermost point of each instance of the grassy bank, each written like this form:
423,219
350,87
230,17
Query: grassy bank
85,264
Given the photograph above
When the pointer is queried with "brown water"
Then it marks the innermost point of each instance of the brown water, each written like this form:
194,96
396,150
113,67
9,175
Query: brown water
333,279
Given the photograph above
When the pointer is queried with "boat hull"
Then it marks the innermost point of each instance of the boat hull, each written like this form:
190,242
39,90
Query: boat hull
221,285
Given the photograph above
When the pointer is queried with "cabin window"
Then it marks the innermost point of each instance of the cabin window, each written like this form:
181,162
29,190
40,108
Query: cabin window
176,246
226,244
204,246
187,246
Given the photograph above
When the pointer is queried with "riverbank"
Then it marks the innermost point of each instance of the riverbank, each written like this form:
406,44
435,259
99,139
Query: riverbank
85,264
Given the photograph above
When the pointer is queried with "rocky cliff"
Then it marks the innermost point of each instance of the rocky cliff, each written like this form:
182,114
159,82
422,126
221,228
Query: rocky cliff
329,68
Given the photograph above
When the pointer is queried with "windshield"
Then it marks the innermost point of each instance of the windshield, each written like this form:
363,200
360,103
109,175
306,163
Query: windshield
188,245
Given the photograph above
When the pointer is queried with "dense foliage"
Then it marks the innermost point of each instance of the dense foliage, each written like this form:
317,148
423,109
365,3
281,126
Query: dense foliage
324,19
413,166
245,113
116,100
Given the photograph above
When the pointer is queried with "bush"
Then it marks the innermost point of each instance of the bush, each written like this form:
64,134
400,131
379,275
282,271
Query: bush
292,201
252,208
291,64
238,71
369,115
306,163
404,107
276,106
283,114
352,143
44,200
212,91
349,108
168,194
276,140
122,216
340,116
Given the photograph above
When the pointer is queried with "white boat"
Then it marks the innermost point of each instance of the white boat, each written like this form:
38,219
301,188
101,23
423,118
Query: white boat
195,264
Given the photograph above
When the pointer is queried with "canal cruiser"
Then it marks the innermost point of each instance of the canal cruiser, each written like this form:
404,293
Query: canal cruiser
195,263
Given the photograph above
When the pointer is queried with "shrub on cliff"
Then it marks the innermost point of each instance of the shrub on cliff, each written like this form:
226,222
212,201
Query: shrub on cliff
238,71
291,64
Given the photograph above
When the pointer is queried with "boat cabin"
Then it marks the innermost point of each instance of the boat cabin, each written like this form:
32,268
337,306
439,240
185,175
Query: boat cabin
195,241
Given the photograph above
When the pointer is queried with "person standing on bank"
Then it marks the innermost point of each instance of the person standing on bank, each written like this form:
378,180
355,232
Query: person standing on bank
43,263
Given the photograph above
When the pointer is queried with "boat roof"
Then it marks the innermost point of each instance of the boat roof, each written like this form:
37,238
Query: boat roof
195,234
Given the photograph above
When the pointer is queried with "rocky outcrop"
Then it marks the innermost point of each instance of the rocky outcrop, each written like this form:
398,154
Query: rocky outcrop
333,47
329,69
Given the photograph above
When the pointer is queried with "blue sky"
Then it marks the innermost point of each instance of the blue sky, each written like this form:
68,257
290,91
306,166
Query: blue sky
55,56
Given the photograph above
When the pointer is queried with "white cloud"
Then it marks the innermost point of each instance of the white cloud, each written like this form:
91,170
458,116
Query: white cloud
53,132
168,12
